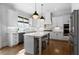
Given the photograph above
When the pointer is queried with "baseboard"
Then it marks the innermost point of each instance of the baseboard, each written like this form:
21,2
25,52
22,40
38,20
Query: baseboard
59,40
3,47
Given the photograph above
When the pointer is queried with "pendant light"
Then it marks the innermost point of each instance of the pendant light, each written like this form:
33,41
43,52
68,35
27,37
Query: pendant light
42,18
35,14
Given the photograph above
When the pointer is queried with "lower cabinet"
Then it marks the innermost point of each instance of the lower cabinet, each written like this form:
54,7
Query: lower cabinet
56,35
3,40
13,39
31,44
21,37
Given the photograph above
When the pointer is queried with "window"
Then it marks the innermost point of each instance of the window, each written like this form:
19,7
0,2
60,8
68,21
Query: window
23,23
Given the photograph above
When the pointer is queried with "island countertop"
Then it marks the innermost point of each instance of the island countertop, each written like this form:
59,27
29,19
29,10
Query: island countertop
37,34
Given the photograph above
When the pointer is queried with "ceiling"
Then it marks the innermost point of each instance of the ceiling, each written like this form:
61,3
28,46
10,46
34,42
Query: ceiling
29,8
56,8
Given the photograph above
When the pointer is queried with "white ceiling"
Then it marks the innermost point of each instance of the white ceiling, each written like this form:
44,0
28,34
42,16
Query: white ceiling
29,8
47,7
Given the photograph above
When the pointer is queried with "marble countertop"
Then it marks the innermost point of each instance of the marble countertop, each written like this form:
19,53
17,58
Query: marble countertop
26,31
36,34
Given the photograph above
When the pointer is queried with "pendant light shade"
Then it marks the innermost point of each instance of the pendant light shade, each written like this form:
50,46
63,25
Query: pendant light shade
42,18
35,15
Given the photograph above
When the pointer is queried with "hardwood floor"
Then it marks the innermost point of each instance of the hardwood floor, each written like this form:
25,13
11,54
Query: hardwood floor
11,50
55,47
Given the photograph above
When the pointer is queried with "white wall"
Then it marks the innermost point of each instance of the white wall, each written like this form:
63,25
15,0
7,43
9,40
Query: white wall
75,6
38,24
47,18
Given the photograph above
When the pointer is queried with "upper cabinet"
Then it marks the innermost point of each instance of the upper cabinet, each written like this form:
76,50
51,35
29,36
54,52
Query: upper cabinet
8,15
12,18
8,19
3,26
3,15
64,19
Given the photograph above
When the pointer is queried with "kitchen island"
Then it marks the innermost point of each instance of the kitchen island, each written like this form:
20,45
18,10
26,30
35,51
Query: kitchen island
29,41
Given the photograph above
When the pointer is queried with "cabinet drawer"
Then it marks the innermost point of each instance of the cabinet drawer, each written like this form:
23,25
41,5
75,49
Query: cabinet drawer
55,35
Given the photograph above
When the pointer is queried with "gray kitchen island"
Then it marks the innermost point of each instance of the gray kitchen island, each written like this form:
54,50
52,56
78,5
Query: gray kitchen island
29,41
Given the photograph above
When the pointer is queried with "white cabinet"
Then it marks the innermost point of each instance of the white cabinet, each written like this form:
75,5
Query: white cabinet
58,35
13,39
59,21
8,18
65,19
12,27
3,26
12,18
29,44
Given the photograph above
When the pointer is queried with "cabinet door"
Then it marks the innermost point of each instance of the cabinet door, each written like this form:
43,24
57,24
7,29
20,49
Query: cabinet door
58,35
12,18
29,44
3,23
51,35
15,38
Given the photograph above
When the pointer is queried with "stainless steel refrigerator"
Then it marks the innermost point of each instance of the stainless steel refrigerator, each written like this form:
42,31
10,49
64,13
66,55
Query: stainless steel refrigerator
74,33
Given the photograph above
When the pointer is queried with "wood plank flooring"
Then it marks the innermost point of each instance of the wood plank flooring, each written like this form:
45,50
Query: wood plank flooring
55,47
11,50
